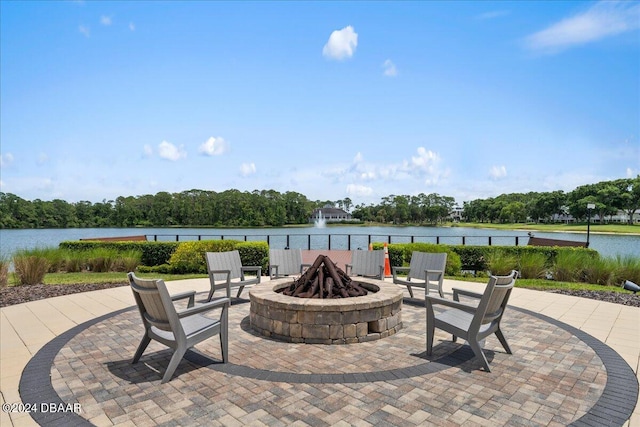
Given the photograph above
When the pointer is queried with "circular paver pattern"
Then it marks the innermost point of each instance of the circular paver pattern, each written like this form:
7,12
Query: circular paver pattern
557,375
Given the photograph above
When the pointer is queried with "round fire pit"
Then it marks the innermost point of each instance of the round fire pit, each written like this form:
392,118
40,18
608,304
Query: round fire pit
326,321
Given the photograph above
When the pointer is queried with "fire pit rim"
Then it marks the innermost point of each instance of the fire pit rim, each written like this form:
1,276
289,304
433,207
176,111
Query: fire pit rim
265,293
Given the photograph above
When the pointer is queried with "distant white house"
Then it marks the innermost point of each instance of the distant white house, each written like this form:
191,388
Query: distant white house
456,214
620,217
623,218
330,214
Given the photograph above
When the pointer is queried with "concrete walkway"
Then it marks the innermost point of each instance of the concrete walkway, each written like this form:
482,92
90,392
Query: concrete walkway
26,328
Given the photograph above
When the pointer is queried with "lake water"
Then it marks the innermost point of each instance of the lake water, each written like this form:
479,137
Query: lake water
318,238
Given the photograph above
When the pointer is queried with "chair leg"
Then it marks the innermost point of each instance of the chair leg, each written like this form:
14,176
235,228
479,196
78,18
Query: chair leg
431,327
503,341
239,291
224,334
477,350
211,294
141,348
410,291
173,364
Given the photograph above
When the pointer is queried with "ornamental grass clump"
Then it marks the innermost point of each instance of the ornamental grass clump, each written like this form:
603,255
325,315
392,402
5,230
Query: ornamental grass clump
501,263
30,269
127,261
532,265
102,260
4,272
570,265
627,268
600,271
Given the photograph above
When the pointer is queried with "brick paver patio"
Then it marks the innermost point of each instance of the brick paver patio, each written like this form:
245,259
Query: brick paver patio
558,375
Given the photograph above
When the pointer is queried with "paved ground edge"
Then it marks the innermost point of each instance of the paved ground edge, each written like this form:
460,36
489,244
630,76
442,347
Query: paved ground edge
614,407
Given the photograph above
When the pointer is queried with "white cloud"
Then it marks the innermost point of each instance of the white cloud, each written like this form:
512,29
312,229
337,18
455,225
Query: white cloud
632,173
214,147
498,172
359,190
389,68
105,20
169,151
132,26
247,169
604,19
341,44
6,159
425,162
84,30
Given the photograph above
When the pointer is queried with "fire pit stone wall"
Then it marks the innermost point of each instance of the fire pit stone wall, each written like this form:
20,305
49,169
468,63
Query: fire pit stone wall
326,321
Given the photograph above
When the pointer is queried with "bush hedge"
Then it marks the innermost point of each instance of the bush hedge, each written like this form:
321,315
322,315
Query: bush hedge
189,257
153,253
400,254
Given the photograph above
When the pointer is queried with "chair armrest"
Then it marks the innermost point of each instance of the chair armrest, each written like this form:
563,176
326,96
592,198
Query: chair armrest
252,268
438,272
395,271
457,292
271,268
222,302
432,300
182,295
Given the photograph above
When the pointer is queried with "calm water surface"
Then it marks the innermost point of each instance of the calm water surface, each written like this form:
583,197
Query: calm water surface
318,238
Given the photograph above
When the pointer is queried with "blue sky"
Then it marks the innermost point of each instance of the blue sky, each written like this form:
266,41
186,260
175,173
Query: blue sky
328,99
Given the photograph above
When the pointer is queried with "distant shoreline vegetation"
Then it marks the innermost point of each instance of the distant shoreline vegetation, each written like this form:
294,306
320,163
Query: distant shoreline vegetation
613,204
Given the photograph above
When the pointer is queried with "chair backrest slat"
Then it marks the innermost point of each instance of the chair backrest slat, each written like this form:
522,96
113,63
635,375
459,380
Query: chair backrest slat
287,260
495,298
225,261
367,263
421,261
154,303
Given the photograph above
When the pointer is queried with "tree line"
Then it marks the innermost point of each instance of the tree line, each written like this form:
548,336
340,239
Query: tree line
234,208
608,197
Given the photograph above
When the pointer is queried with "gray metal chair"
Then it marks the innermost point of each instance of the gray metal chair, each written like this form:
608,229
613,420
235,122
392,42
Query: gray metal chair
285,262
424,268
367,264
470,322
226,271
179,330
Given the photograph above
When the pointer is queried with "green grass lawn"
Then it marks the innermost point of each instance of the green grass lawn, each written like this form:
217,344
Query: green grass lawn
550,228
549,285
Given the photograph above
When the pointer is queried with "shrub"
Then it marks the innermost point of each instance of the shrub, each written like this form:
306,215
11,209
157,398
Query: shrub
254,253
400,255
472,257
627,268
569,266
4,272
501,262
127,261
30,269
599,271
189,257
153,253
532,265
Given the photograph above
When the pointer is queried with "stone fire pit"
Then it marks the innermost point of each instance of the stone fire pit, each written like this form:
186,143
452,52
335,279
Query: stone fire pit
326,321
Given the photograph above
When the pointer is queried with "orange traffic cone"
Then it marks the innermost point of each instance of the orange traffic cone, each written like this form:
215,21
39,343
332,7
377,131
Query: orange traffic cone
387,264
